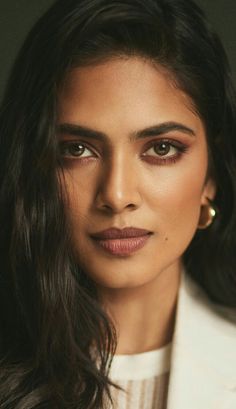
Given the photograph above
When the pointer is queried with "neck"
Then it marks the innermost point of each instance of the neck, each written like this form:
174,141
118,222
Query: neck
144,316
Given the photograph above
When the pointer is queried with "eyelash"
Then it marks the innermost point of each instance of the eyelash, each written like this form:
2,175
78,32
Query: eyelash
65,146
163,160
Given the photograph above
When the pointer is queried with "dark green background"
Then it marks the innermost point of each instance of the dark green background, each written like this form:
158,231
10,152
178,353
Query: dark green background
17,17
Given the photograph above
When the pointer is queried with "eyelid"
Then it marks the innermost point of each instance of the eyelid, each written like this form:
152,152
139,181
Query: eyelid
172,142
67,143
159,160
180,146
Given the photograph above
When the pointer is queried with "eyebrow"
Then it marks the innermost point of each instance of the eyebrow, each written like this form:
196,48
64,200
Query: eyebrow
156,130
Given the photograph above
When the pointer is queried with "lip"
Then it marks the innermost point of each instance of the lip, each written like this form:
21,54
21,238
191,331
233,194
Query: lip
121,242
116,233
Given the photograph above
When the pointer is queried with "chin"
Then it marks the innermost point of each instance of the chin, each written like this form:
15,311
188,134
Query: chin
120,279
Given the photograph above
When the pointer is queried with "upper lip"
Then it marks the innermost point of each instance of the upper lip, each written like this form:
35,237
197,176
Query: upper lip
116,233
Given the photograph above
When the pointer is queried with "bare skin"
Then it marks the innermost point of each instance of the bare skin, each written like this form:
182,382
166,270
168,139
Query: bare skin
144,317
122,174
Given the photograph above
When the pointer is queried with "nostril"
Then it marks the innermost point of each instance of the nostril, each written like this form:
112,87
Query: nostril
131,206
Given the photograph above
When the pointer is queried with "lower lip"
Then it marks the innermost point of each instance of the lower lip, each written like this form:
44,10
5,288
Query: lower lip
123,247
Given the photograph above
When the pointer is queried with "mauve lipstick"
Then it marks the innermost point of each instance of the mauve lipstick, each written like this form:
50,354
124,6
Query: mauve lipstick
121,242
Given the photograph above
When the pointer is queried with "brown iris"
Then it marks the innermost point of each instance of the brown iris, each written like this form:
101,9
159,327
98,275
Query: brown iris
162,148
72,149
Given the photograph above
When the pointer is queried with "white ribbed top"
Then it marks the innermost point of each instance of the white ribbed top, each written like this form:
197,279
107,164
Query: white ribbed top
144,378
140,366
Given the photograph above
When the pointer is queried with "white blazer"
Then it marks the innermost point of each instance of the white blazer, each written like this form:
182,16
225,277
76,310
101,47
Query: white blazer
203,359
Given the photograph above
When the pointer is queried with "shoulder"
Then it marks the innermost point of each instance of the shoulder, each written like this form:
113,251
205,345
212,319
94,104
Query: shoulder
205,333
204,308
203,360
205,328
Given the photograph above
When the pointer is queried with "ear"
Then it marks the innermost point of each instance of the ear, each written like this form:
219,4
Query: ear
208,192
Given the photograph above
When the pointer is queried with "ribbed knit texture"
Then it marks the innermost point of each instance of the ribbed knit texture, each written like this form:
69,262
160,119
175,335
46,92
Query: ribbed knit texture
144,378
146,394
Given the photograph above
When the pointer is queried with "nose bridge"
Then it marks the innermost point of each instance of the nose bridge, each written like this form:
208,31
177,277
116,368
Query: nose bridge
119,184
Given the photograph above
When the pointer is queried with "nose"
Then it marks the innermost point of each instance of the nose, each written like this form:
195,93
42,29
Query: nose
118,186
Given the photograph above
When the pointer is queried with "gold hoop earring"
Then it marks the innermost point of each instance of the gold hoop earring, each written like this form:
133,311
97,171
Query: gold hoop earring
207,216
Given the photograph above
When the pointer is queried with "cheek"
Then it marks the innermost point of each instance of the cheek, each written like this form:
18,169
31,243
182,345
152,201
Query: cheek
175,197
78,194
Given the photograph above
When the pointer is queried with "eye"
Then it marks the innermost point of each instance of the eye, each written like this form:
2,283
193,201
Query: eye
162,148
164,151
74,149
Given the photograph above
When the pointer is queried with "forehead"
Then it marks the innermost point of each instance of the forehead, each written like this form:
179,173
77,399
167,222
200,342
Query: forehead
126,90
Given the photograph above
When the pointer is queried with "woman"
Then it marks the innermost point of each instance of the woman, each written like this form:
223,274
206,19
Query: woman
118,189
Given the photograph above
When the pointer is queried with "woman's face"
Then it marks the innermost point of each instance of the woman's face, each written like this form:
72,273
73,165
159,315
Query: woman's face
135,156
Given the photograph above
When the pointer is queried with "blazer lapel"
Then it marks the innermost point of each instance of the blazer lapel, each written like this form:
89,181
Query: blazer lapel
203,360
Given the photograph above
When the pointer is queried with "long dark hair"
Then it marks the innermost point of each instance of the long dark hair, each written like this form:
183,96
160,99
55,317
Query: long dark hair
56,342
